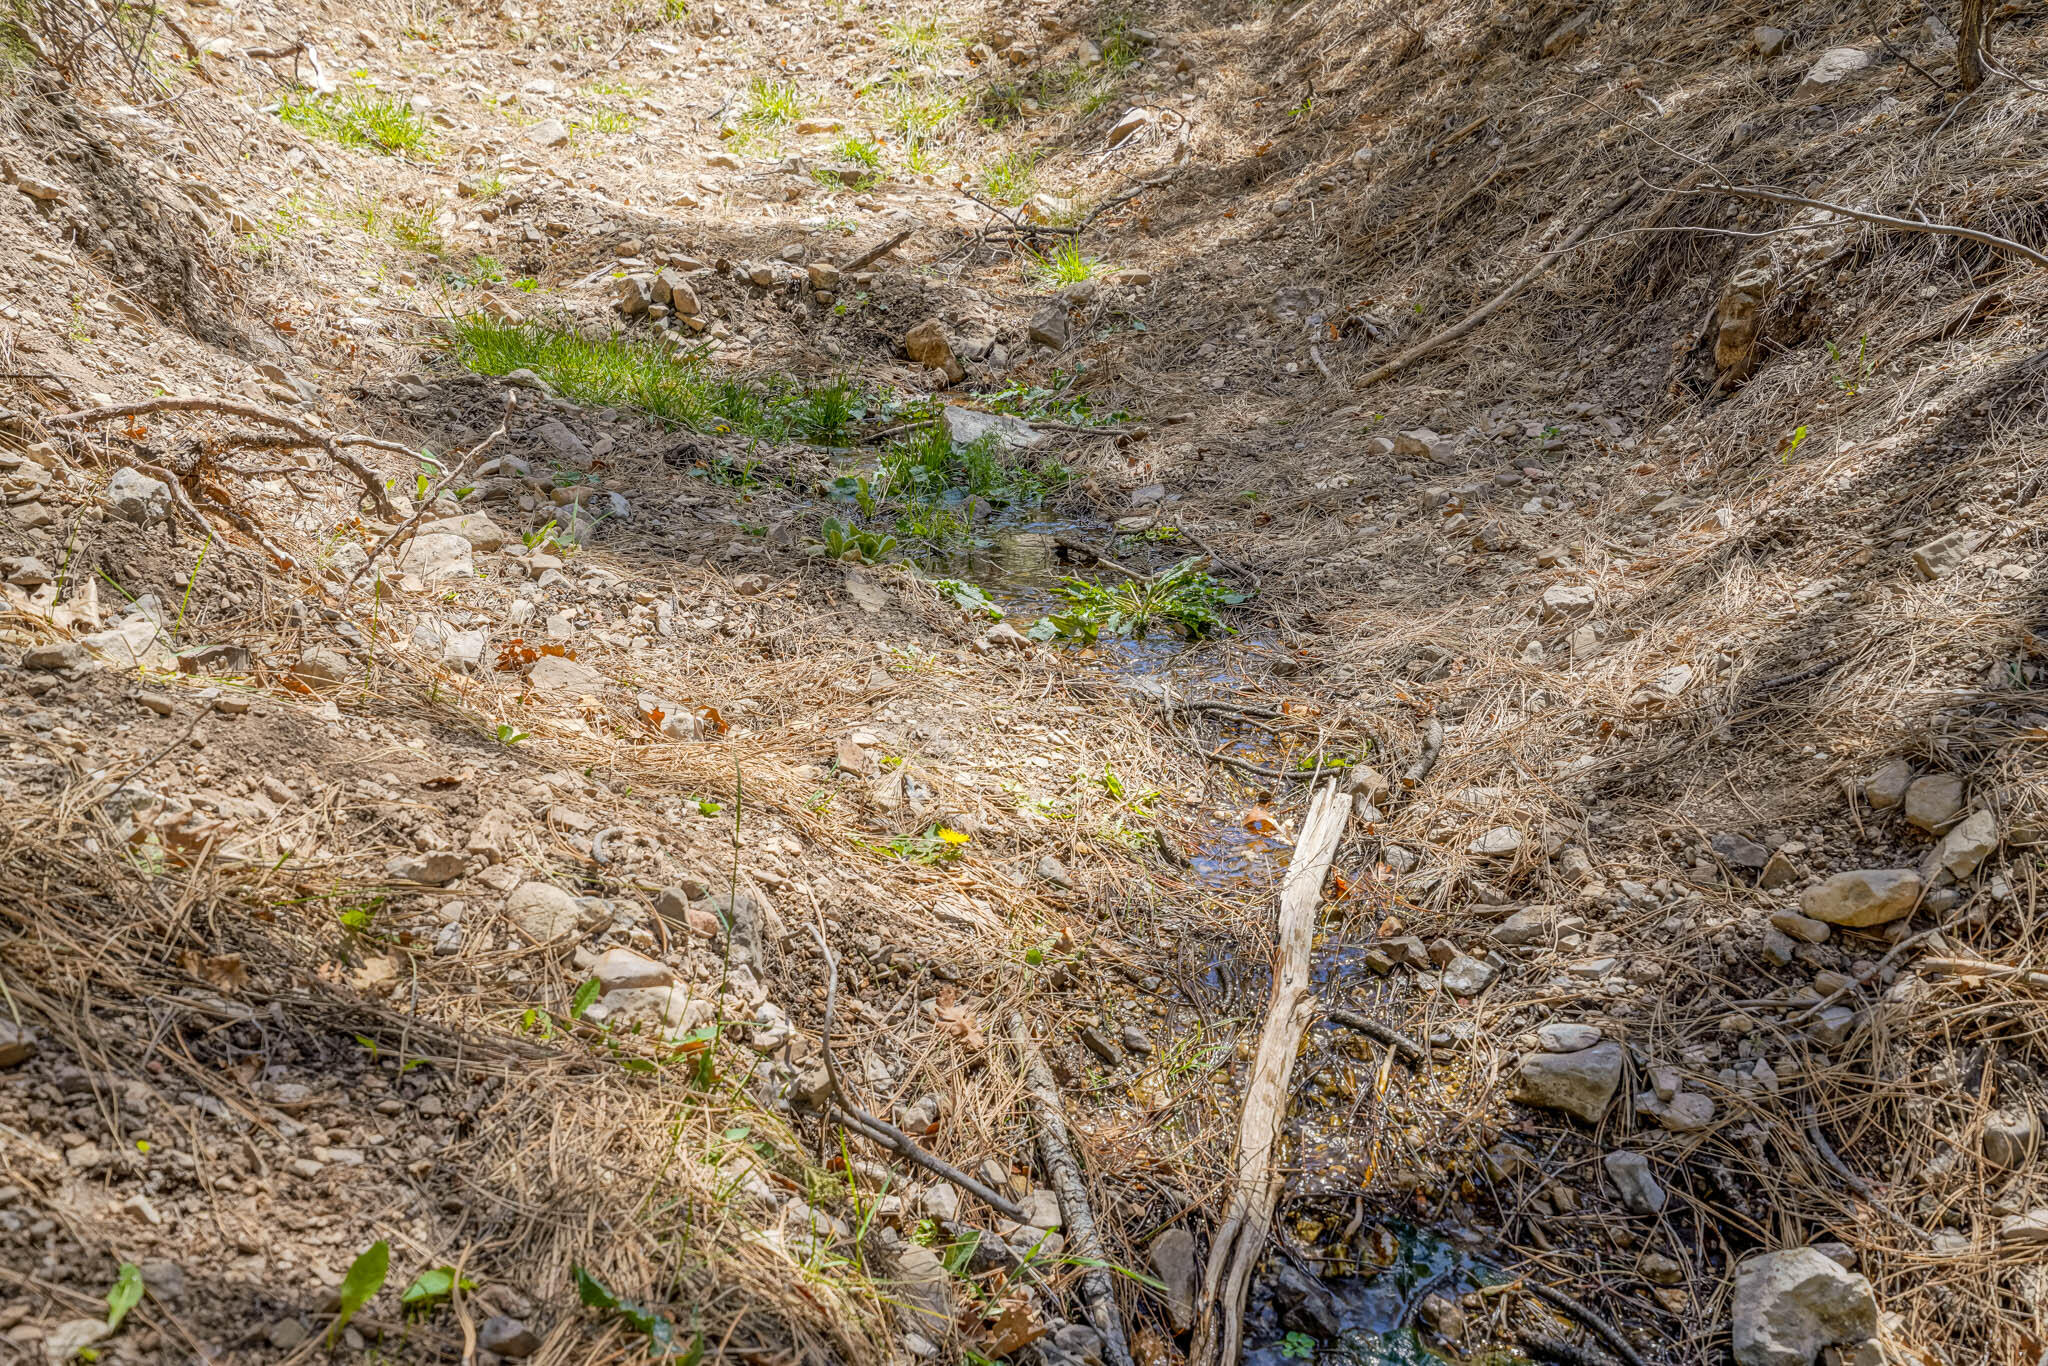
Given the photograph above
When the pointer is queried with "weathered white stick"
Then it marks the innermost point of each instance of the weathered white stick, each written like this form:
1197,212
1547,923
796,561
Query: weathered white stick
1235,1248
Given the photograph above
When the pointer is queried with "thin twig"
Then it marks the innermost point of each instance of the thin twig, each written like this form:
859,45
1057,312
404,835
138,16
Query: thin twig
371,486
1883,220
881,1132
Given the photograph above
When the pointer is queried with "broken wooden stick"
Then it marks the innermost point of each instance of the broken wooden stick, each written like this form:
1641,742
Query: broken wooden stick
1237,1243
1057,1156
1486,310
868,258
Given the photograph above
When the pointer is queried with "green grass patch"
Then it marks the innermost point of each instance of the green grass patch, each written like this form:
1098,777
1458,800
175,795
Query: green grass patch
927,466
1011,178
647,376
859,151
915,40
1065,265
361,119
604,120
418,229
1182,598
772,104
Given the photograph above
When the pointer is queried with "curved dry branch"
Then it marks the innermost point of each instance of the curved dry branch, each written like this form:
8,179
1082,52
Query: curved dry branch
373,488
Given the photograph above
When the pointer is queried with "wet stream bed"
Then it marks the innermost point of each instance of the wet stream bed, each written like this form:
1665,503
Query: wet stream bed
1339,1284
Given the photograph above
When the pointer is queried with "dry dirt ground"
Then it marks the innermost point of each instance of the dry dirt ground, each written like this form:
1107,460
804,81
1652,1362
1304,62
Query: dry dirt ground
449,818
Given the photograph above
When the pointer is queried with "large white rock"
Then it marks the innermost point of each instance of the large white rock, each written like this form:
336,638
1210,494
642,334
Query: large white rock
1869,896
618,969
1789,1305
475,527
1579,1083
437,555
544,912
1964,847
969,425
139,498
1836,65
555,674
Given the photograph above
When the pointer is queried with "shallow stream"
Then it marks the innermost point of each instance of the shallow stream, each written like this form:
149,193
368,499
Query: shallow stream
1360,1310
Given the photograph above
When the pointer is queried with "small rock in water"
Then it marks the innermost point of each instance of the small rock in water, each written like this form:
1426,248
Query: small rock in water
1789,1305
1638,1188
1444,1317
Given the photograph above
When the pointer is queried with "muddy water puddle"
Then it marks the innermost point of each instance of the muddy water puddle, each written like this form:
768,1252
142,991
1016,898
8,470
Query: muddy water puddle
1339,1286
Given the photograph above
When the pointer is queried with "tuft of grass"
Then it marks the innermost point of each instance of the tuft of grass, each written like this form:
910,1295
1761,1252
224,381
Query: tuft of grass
1064,265
628,372
926,466
1182,597
915,40
860,150
360,118
1011,178
604,120
772,104
918,157
916,108
418,229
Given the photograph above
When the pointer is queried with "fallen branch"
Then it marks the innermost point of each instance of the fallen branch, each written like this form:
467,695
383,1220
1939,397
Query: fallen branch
881,1132
1240,1240
1487,309
1095,556
1371,1028
426,503
371,485
1432,746
868,258
1883,220
1611,1335
1057,1156
1852,1180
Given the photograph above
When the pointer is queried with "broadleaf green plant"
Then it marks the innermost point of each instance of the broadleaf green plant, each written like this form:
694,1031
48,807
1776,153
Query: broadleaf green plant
364,1279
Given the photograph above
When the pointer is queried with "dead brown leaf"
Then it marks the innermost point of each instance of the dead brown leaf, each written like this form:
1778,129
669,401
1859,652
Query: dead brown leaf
958,1021
223,973
1012,1326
